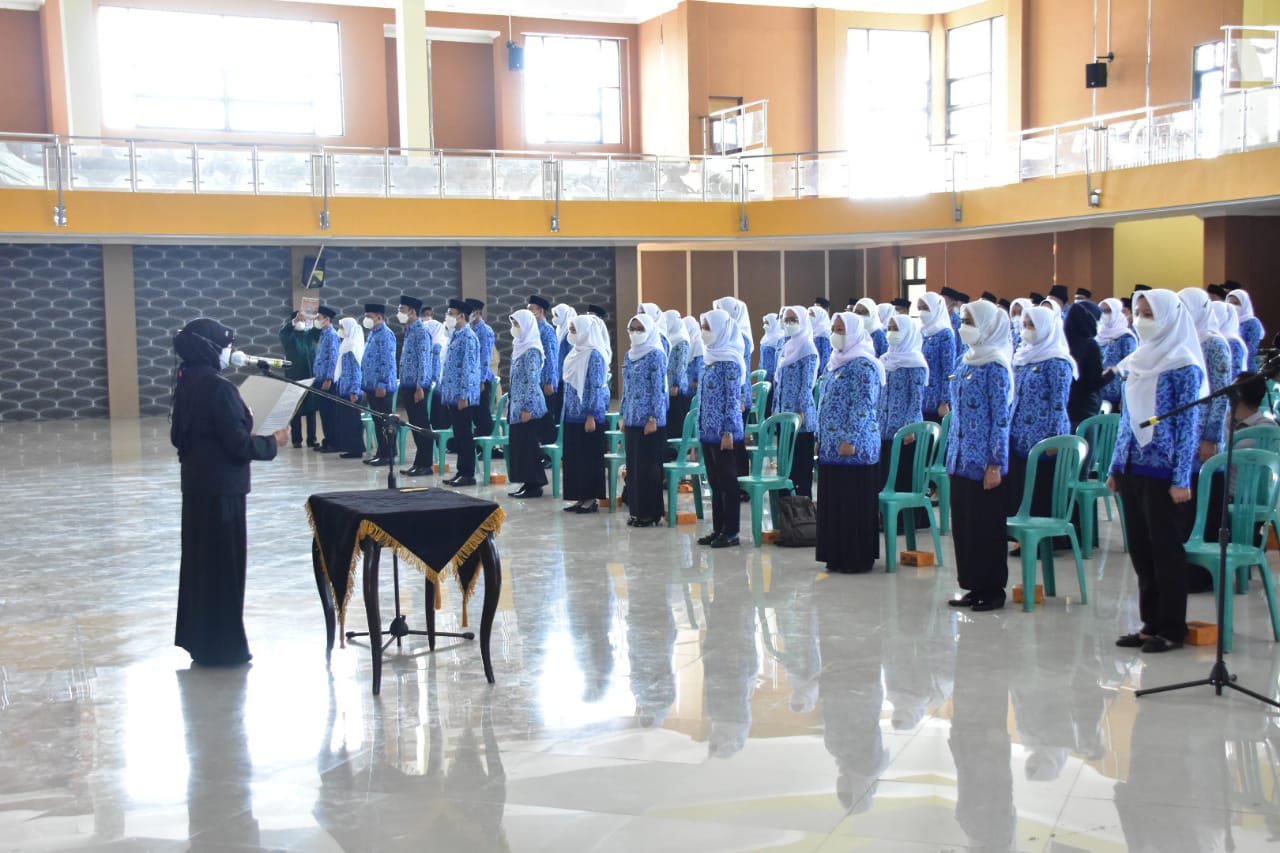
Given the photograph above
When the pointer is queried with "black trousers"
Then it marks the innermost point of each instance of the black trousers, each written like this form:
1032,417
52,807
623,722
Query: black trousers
1156,525
211,580
919,519
802,465
584,469
549,422
348,429
463,421
380,404
324,408
484,414
524,460
644,472
295,427
978,530
1042,494
439,411
677,408
417,413
722,477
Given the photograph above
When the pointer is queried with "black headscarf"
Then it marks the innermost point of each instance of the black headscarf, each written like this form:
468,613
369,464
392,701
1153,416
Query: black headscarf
1082,322
199,345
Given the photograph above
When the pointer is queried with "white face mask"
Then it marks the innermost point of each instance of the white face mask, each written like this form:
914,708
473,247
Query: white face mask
970,334
837,341
866,321
556,321
402,317
894,337
926,317
1030,334
1106,317
792,329
708,337
636,338
367,322
1146,327
300,326
224,357
451,323
515,330
577,338
318,323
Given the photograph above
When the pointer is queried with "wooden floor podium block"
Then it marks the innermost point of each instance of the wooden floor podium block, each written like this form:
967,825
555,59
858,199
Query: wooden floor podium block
498,479
686,518
1018,593
771,537
1202,634
916,558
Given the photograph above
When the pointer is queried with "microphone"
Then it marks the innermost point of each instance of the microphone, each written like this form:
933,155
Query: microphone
241,359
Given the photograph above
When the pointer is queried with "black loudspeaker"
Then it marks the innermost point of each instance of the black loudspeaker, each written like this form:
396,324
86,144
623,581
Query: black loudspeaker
515,56
1095,75
312,272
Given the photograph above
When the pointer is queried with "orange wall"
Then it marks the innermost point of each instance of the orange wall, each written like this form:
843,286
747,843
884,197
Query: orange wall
24,107
666,117
1247,249
462,86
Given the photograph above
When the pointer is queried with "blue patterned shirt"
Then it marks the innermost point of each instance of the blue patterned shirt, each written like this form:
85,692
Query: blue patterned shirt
721,408
940,353
956,323
525,393
1251,333
1213,415
748,347
900,400
824,350
880,340
460,378
979,421
1171,453
595,393
1040,403
415,357
433,364
678,368
485,335
349,382
379,363
565,347
1112,354
850,398
695,373
1239,357
326,360
550,343
644,389
794,392
768,360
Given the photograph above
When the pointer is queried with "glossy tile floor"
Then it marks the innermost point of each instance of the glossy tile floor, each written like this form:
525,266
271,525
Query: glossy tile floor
651,695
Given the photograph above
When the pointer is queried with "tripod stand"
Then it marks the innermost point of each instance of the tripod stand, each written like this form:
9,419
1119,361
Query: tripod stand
1219,676
389,423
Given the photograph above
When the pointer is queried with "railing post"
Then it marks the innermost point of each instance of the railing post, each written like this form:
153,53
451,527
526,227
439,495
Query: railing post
493,175
195,169
1055,152
608,177
60,209
386,170
133,166
795,176
1244,120
257,172
657,179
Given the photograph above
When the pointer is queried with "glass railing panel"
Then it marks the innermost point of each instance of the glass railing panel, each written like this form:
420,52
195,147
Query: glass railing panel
634,180
680,179
467,176
519,177
22,163
289,172
415,175
164,168
721,178
782,176
100,166
1036,156
226,170
359,174
1072,149
1262,127
583,179
833,176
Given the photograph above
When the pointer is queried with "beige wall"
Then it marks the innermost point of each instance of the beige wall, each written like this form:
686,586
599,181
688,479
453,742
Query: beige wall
664,84
1168,252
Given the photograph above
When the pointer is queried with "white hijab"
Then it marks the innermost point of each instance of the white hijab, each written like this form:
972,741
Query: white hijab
352,342
564,314
529,337
885,311
726,341
673,326
874,311
906,352
1051,341
651,341
801,343
1025,303
857,344
694,331
1245,308
594,338
772,331
994,344
1115,328
655,314
821,321
940,319
1200,310
1229,327
737,311
1174,344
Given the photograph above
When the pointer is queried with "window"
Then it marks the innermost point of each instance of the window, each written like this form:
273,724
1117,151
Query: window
1206,72
888,112
975,79
573,90
914,281
189,71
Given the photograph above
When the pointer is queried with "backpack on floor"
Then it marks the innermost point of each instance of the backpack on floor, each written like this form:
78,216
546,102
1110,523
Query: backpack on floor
797,522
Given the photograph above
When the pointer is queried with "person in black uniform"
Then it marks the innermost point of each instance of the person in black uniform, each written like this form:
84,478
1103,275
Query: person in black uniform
212,429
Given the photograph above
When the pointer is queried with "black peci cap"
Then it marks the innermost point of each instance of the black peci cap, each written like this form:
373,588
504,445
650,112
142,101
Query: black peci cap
598,311
952,294
1217,290
1036,298
822,300
1126,302
1138,288
1059,292
901,302
1004,303
375,308
326,311
990,297
540,302
1084,293
459,305
474,305
411,302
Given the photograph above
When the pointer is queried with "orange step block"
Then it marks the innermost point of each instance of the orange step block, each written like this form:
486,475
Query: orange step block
771,537
685,488
1019,595
916,558
686,518
1202,634
498,479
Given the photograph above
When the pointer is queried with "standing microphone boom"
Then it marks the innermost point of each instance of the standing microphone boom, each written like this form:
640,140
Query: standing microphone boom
242,359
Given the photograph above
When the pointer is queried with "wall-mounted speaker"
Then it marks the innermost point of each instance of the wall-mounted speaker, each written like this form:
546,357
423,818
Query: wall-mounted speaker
1095,75
515,56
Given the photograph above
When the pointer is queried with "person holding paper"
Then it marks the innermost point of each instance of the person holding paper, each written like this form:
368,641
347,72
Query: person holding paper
212,429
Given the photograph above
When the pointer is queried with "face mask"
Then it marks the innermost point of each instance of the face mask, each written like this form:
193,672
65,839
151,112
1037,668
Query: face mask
866,321
1030,335
926,317
970,334
1106,317
1145,327
837,341
515,330
224,358
402,317
636,338
708,337
367,322
556,321
894,337
299,326
318,323
792,329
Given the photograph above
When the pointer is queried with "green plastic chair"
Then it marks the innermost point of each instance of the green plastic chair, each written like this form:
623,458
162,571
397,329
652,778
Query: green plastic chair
756,417
499,438
556,454
785,425
1257,483
1262,437
1099,433
759,376
1036,533
371,431
893,502
683,466
442,437
935,474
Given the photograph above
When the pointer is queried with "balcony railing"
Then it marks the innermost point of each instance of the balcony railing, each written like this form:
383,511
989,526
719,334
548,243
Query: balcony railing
1237,121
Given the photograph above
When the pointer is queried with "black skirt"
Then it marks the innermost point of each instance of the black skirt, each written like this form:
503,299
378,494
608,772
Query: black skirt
211,580
644,472
847,513
919,518
584,468
978,533
524,459
1042,496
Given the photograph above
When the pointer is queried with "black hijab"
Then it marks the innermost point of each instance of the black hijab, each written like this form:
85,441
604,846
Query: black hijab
199,345
1082,323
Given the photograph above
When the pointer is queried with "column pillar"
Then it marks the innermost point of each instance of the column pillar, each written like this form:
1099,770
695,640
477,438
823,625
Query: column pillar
122,332
412,69
84,79
626,283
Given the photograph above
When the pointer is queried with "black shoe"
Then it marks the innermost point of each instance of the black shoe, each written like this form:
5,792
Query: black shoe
530,494
328,450
631,522
297,445
708,539
350,455
1157,644
461,481
452,480
594,506
518,493
647,522
313,444
965,600
982,605
377,461
572,508
320,448
419,472
1132,641
723,541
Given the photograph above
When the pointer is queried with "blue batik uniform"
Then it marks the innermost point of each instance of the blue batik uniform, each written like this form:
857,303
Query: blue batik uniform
485,335
850,398
939,352
1171,453
350,382
880,340
824,350
1040,407
460,379
525,393
960,346
434,365
1213,416
720,409
979,434
1114,352
550,343
379,363
326,360
594,400
644,389
795,391
415,358
678,368
769,360
694,374
1239,356
565,348
900,401
1251,333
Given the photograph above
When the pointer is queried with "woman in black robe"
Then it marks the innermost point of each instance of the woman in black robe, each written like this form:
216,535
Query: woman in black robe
213,431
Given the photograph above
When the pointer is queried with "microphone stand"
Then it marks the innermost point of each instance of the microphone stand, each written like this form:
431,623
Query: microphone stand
1219,677
389,424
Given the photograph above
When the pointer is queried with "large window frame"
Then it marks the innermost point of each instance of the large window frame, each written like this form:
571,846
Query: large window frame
208,72
975,75
574,90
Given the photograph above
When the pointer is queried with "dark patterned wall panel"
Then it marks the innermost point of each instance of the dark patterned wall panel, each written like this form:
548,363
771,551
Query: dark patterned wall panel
245,287
53,341
575,276
357,275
